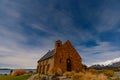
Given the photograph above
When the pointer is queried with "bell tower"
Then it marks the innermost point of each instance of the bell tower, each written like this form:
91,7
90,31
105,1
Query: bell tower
58,44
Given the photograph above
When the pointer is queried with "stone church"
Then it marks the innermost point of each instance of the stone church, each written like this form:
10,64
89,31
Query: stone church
63,56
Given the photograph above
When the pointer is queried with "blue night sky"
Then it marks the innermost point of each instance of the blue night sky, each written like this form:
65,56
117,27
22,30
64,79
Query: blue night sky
29,28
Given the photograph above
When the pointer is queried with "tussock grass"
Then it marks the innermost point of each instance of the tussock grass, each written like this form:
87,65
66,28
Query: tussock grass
109,73
88,75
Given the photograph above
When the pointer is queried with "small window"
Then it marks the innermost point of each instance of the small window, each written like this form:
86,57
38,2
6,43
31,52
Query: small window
58,44
60,60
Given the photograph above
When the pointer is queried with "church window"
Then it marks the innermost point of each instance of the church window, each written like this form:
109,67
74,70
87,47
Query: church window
68,61
40,69
60,60
58,44
43,69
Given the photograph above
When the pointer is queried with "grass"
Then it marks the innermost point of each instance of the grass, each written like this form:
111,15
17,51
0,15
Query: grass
87,75
8,77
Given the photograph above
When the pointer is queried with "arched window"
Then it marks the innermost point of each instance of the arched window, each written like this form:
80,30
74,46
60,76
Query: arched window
40,69
58,44
68,62
48,66
60,60
43,71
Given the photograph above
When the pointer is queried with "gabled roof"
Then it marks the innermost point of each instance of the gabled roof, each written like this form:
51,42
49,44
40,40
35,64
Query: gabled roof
47,55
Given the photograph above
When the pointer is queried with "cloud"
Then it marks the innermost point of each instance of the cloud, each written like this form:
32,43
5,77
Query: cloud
39,27
108,62
20,56
15,54
109,17
100,53
28,29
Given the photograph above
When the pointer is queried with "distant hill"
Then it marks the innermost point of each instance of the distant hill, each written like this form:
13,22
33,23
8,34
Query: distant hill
116,64
113,65
4,69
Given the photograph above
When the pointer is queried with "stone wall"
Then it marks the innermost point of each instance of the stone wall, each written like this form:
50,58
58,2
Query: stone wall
66,58
45,65
64,52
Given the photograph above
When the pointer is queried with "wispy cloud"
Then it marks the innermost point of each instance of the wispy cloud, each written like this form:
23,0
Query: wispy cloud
108,62
28,29
109,18
100,53
21,56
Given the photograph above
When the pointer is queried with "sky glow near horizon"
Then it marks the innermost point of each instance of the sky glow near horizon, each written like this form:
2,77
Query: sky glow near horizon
28,29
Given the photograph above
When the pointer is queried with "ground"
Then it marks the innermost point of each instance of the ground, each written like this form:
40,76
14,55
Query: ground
36,77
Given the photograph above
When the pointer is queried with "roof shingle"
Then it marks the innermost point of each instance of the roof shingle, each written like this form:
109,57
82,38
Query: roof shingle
48,55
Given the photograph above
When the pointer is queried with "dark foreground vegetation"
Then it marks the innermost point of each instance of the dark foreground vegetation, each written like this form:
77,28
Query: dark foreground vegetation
89,74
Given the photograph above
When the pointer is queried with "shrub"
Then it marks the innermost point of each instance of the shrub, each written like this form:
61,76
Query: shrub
85,67
67,74
72,73
108,73
18,72
88,76
93,71
101,77
117,78
77,77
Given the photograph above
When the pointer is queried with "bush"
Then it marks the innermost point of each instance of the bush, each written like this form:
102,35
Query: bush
108,73
94,71
101,77
117,78
67,74
85,67
18,72
78,76
88,76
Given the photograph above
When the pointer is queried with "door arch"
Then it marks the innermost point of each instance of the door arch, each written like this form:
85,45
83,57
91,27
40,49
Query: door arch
68,62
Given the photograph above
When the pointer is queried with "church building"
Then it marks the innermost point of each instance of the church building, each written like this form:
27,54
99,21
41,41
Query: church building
63,57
